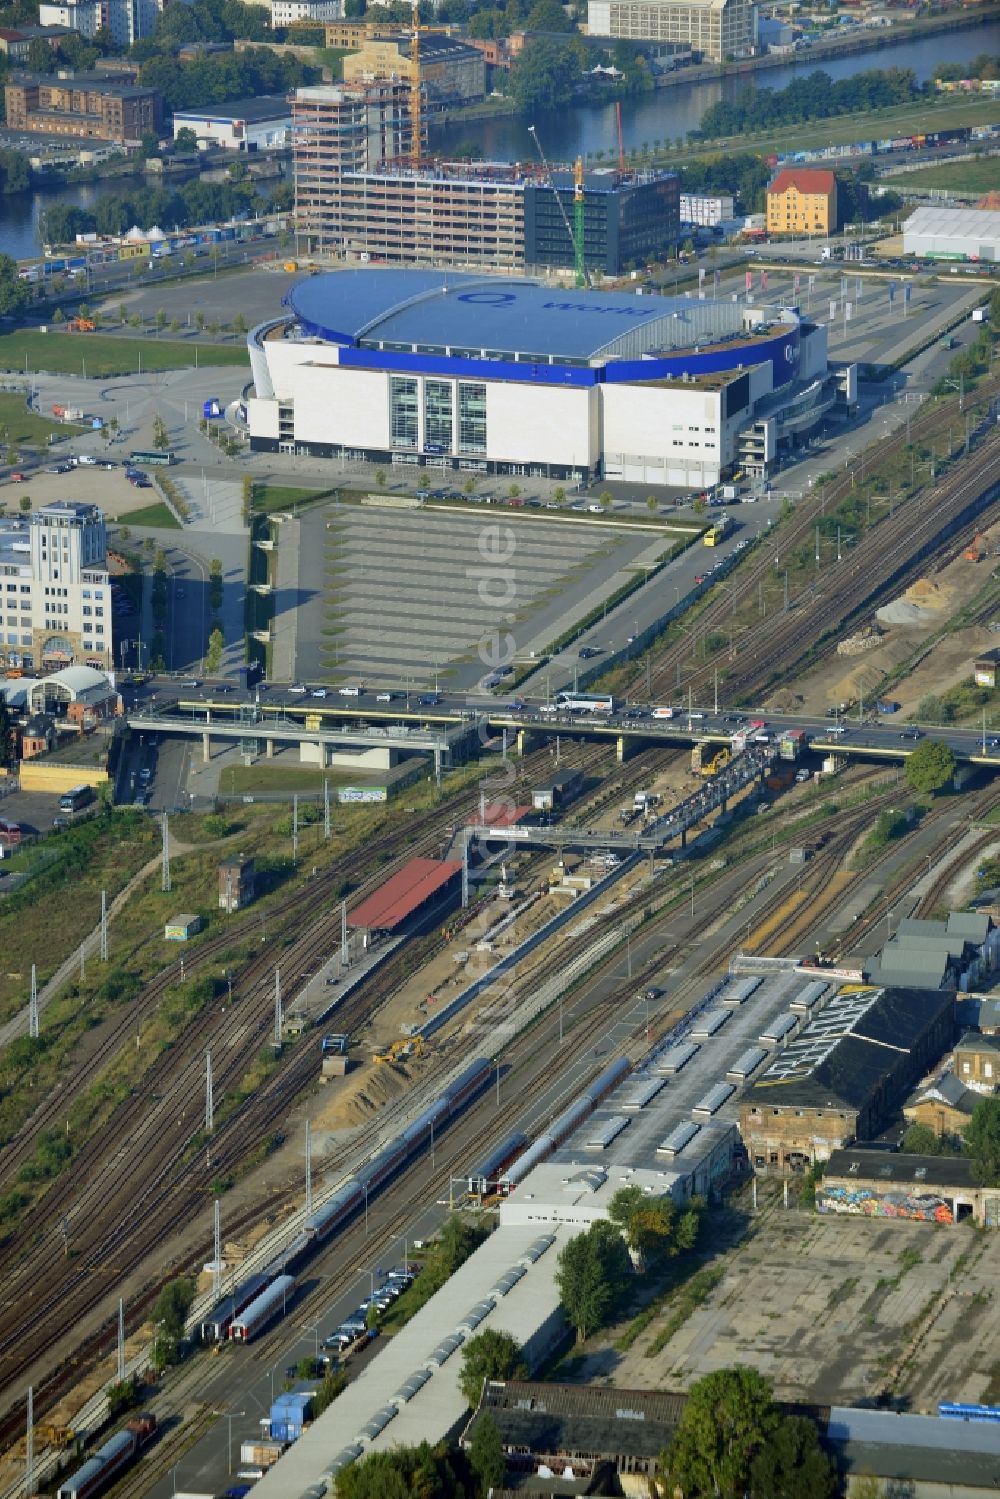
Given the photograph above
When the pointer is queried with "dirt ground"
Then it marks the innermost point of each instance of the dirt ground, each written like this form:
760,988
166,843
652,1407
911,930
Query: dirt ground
833,1310
925,607
97,486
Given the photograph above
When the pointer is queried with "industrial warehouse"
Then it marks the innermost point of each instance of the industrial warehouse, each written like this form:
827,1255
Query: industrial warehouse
506,376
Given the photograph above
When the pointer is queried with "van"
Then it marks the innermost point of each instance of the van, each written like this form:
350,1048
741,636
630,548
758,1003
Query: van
350,691
86,460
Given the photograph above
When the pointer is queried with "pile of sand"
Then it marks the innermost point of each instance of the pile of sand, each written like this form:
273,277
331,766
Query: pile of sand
921,604
362,1093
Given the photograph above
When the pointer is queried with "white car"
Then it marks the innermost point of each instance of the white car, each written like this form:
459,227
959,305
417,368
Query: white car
318,692
350,691
384,697
596,509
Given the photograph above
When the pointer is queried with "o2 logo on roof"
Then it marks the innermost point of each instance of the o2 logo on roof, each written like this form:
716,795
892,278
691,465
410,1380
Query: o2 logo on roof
488,298
789,354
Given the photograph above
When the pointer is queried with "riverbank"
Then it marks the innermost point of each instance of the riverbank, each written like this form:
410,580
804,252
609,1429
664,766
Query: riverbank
901,33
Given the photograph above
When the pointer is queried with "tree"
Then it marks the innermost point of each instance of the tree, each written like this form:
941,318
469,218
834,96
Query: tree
424,483
547,15
931,766
171,1307
160,319
15,294
793,1465
728,1419
514,491
213,656
545,74
25,504
605,499
161,438
58,316
592,1274
122,313
424,1471
486,1453
652,1226
469,487
982,1141
239,324
200,321
651,502
185,140
491,1354
559,495
149,144
920,1139
247,493
175,326
215,584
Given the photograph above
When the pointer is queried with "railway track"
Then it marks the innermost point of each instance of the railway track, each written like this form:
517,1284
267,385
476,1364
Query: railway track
529,1047
672,669
157,1150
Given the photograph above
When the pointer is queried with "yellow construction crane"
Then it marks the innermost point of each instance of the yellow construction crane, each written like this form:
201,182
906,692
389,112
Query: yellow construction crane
416,101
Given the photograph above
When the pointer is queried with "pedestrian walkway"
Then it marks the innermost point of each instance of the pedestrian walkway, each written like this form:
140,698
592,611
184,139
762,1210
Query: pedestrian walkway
284,628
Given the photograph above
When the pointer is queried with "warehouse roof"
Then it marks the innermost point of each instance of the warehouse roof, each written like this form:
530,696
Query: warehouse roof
916,1449
900,1169
558,1419
404,893
267,107
971,223
465,313
842,1056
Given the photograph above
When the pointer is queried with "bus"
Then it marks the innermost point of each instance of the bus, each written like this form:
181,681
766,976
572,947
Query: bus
155,459
722,528
72,801
585,702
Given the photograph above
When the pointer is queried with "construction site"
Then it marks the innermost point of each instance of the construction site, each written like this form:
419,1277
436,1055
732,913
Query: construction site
366,189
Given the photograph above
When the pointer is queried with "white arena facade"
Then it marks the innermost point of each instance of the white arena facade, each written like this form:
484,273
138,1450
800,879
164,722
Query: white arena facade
511,377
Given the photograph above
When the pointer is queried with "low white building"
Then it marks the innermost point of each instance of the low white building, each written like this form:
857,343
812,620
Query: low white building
510,377
55,593
953,233
705,209
288,12
245,125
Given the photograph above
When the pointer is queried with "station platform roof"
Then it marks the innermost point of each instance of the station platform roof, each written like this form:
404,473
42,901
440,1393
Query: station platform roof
403,894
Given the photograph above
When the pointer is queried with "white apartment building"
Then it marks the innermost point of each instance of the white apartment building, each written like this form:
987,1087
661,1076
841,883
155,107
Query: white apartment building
55,593
83,16
715,29
287,12
127,21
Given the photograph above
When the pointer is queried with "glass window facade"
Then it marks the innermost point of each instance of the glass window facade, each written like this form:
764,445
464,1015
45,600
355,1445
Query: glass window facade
438,416
472,416
404,412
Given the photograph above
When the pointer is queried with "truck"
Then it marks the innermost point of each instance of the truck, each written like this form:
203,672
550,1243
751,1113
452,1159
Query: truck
980,314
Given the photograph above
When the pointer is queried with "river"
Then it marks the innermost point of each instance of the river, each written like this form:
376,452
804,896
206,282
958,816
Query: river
672,112
669,112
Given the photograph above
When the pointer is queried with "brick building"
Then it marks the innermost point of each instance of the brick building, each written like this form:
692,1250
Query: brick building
236,883
977,1062
450,69
802,201
88,106
840,1078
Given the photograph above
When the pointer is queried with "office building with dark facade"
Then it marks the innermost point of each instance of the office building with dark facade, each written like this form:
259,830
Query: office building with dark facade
627,220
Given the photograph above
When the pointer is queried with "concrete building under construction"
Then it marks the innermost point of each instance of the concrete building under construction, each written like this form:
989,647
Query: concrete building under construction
363,192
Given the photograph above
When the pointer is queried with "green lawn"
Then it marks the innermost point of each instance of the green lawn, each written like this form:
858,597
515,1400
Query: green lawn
268,497
972,176
102,355
839,130
18,424
152,515
237,780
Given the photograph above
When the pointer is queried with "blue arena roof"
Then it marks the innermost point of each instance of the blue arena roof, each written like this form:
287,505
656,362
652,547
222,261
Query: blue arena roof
440,311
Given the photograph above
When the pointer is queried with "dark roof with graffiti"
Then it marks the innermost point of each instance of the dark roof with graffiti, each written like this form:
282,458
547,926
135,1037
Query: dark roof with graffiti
861,1036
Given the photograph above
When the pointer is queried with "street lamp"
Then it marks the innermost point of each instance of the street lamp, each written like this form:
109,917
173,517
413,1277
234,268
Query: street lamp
230,1417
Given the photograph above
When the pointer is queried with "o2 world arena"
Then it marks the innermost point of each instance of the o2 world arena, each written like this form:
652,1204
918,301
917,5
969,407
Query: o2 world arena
489,375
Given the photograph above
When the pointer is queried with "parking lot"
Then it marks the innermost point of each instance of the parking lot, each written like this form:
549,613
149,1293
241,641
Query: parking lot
385,596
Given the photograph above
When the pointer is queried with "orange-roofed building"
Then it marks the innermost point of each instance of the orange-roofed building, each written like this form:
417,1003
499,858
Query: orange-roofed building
802,200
